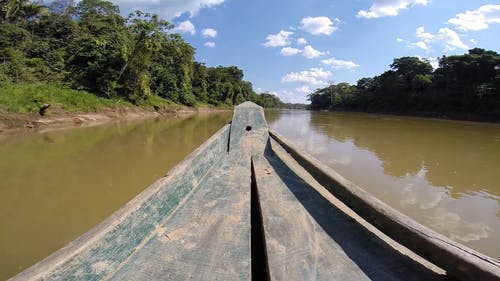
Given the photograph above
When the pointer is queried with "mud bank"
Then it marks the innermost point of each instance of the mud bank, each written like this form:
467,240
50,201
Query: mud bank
19,121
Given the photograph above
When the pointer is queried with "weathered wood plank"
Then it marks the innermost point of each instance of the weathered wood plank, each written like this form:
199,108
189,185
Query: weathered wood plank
208,237
296,246
249,131
308,238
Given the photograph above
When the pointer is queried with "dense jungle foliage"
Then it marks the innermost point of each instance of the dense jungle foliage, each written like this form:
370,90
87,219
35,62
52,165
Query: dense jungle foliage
463,86
87,45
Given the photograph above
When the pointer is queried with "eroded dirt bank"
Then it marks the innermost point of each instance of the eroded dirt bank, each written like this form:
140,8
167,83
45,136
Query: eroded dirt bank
17,121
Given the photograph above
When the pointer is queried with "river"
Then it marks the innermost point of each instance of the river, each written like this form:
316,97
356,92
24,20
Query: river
56,185
444,174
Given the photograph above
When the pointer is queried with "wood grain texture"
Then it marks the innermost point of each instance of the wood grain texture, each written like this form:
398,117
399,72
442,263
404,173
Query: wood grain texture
207,238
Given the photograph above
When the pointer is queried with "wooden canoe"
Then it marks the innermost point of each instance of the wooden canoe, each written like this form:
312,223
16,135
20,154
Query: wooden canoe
249,205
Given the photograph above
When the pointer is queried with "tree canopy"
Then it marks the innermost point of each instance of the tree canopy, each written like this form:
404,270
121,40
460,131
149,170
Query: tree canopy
463,86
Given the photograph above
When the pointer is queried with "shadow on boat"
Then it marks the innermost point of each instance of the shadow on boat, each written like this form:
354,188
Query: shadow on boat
374,257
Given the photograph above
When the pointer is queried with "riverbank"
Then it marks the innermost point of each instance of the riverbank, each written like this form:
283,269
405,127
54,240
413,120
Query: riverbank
33,106
12,122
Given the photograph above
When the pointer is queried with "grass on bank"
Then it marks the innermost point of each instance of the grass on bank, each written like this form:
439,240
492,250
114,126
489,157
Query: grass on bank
28,98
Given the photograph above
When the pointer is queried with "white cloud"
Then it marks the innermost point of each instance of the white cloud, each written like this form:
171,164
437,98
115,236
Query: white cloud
185,27
210,44
279,39
289,51
313,76
340,64
421,44
422,34
318,25
399,40
311,53
301,41
209,32
167,9
303,89
450,39
445,37
308,52
477,19
384,8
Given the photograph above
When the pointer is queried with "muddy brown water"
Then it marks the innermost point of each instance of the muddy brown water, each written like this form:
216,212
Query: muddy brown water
444,174
56,185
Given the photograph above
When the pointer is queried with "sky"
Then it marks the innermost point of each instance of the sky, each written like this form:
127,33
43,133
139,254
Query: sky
290,48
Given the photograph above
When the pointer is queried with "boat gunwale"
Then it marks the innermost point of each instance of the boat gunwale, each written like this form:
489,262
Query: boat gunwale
87,239
455,258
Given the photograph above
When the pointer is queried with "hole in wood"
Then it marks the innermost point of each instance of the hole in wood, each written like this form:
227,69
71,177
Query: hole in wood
248,128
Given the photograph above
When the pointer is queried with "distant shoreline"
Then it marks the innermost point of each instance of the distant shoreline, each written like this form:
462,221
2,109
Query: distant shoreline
450,117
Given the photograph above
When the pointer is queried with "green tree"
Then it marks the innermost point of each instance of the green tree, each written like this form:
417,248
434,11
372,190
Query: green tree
172,78
98,48
148,32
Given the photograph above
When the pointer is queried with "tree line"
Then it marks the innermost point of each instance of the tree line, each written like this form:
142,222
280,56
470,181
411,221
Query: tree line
88,45
463,86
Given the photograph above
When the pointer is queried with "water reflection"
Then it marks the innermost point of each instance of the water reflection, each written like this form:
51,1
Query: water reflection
56,185
442,173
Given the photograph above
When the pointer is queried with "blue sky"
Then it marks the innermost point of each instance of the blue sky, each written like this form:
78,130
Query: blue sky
289,48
